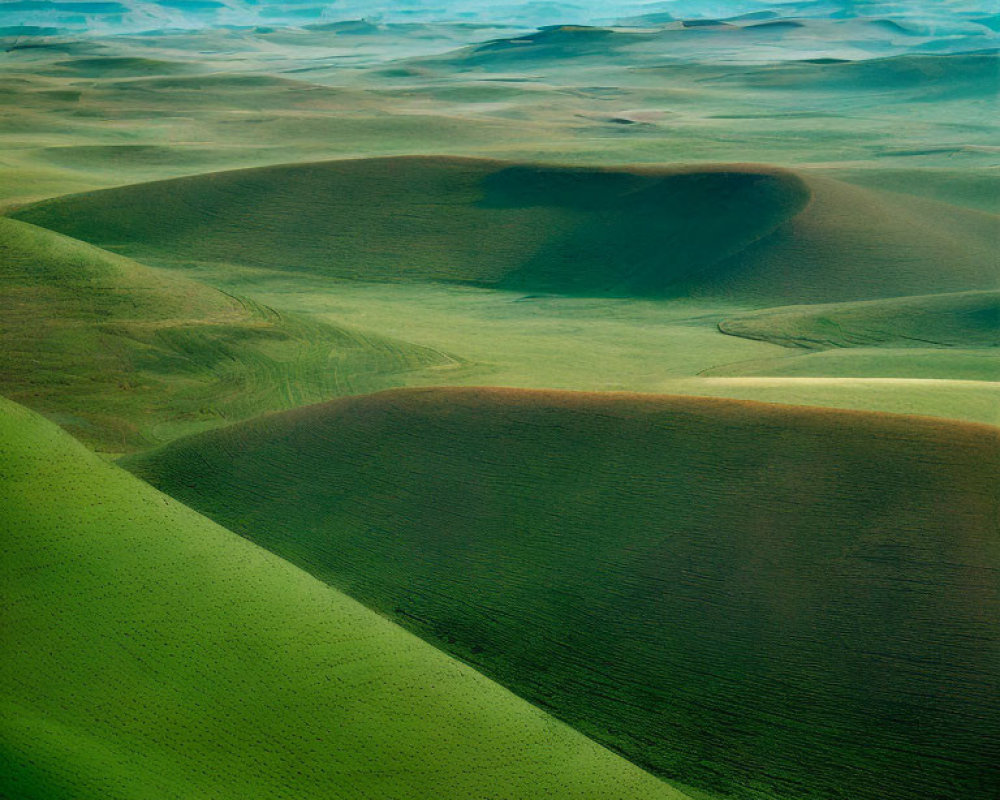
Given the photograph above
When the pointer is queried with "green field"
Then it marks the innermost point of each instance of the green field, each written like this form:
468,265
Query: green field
479,222
81,114
126,356
625,344
963,320
148,653
664,574
595,406
932,363
591,279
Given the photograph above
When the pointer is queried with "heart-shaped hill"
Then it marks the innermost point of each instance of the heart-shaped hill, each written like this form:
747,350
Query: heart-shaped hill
765,601
733,230
560,229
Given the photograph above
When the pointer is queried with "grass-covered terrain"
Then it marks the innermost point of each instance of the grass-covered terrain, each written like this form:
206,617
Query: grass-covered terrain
126,356
624,344
735,231
931,363
148,653
914,355
534,227
219,212
969,320
858,244
831,383
898,109
764,601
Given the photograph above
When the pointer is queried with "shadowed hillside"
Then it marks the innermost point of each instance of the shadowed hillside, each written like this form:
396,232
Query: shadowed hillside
964,319
566,229
764,601
852,243
148,653
713,230
125,355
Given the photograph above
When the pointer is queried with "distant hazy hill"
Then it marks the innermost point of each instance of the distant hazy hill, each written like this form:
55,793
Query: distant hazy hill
901,78
735,230
767,601
780,42
555,43
131,15
148,653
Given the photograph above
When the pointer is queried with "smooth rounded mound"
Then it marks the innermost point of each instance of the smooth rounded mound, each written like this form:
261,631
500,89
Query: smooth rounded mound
766,601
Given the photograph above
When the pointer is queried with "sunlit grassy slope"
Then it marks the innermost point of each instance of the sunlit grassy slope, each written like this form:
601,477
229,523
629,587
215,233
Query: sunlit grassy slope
506,338
125,355
835,383
764,601
148,653
734,230
905,354
963,319
943,363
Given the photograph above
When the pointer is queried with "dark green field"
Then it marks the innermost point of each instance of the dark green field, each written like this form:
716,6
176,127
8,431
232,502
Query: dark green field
487,223
667,575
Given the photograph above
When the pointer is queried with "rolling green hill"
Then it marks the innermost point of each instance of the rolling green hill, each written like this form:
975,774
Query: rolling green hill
852,243
924,77
962,320
125,355
119,66
737,230
761,601
932,363
148,653
588,230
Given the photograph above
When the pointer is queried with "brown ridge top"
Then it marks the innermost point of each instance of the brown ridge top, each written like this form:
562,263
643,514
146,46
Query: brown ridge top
625,404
